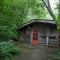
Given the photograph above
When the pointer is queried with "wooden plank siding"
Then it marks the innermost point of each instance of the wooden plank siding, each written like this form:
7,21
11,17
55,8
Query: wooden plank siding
25,35
46,34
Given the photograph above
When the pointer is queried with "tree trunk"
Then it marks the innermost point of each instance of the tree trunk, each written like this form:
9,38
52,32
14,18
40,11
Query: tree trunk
48,6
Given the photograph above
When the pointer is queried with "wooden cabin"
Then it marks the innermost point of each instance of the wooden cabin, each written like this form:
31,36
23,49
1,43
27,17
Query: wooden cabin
39,32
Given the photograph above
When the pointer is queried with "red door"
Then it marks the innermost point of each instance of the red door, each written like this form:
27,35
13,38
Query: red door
35,37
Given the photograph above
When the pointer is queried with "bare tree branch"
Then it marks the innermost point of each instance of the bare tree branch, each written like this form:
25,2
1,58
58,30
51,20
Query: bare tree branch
45,3
49,8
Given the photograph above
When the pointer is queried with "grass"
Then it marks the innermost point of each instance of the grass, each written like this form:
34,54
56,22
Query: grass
55,55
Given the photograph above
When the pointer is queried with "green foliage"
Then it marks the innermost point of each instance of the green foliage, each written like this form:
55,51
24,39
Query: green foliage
6,33
57,54
37,8
8,49
58,17
14,12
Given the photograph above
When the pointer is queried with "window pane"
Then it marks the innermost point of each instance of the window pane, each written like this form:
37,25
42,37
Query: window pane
36,38
35,34
33,38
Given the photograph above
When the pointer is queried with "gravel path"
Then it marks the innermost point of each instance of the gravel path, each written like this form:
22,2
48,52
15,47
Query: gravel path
41,53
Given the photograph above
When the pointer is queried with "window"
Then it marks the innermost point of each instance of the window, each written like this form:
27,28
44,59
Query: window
35,34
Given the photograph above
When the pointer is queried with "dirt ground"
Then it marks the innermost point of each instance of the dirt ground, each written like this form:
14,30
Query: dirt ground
37,53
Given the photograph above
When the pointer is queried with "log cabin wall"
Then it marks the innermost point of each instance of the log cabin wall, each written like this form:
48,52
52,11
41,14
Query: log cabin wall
45,30
25,35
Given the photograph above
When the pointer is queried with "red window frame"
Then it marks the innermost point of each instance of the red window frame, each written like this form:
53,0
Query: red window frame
35,34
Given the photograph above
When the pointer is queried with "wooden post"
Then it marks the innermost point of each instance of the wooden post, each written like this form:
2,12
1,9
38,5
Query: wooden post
47,40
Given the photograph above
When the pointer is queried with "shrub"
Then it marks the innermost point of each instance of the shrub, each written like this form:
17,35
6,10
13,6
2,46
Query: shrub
7,33
8,49
57,54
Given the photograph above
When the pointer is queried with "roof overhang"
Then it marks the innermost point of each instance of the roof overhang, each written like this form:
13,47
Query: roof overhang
37,20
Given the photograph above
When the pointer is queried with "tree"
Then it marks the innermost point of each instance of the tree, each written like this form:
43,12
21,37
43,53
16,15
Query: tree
58,17
14,12
48,6
59,10
37,8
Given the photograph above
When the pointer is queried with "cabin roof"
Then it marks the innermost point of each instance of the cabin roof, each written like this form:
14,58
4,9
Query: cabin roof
37,20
